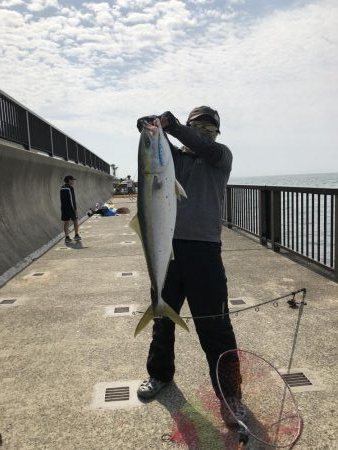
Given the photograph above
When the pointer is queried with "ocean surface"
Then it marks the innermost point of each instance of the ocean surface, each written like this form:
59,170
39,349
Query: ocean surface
318,180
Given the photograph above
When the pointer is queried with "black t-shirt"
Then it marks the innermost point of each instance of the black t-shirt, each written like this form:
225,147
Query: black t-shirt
67,197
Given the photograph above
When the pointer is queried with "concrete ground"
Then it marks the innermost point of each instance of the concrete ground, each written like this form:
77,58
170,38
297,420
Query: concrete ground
60,349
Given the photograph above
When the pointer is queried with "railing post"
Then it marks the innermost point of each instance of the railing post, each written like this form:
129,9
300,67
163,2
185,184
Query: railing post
51,140
28,131
275,198
263,211
336,237
228,208
67,151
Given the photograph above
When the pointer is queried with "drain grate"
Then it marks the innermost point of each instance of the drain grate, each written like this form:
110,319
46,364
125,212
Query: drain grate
117,394
8,301
127,274
237,301
296,379
35,275
302,379
121,309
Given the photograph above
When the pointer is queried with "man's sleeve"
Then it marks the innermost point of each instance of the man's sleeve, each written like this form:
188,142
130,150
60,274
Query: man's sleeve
215,153
173,148
73,198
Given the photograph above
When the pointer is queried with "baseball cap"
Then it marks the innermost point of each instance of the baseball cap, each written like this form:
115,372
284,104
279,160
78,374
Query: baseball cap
204,111
69,178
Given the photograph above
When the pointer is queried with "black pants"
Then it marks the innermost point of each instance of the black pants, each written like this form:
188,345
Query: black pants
197,273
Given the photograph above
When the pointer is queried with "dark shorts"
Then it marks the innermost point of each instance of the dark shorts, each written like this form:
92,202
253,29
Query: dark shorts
130,190
67,215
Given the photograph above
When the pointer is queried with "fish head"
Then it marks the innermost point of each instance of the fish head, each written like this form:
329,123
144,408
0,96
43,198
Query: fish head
154,150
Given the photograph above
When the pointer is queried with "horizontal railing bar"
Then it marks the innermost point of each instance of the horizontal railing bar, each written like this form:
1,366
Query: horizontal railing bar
315,261
13,128
305,190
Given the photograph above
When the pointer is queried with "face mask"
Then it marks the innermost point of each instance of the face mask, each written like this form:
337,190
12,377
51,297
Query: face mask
207,128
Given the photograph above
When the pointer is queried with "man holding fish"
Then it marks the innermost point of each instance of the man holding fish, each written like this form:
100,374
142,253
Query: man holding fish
182,239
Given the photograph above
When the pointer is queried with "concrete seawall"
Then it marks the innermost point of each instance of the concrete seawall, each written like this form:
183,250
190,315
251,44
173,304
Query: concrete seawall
30,216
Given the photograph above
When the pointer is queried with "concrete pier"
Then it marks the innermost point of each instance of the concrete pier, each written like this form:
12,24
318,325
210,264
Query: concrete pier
30,201
61,347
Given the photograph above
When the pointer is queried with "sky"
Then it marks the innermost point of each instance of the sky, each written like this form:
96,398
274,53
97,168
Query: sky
269,67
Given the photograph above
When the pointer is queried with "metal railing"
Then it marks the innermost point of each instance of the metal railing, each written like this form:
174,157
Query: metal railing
301,220
18,124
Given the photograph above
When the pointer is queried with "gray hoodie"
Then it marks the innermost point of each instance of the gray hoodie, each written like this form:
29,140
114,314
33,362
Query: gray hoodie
203,175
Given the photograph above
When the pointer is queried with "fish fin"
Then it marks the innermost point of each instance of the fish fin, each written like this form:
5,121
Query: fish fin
169,312
135,225
172,255
145,319
180,192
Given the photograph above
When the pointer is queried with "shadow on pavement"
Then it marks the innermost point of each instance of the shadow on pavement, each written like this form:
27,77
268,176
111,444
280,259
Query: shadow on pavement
75,245
194,424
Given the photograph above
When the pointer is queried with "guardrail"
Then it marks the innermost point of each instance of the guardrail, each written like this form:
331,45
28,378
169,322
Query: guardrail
301,220
18,124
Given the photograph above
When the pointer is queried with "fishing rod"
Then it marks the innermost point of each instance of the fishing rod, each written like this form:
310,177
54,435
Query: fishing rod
291,302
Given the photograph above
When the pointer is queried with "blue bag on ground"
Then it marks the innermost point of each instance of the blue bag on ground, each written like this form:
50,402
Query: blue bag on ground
109,212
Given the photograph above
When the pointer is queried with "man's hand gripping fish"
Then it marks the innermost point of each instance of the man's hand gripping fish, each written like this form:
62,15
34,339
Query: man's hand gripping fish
158,191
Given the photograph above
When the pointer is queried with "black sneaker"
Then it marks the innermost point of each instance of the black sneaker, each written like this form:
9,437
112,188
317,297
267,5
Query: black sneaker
237,409
77,237
68,240
150,388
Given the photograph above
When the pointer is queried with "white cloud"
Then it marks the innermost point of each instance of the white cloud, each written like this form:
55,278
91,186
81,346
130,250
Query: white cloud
40,5
10,3
94,69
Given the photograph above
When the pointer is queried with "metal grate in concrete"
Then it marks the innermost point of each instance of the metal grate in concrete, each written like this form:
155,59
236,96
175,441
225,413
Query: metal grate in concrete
7,301
126,274
237,301
128,242
120,310
116,395
301,380
36,275
296,379
63,248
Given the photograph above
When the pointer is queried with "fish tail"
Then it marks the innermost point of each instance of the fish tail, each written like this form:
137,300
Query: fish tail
145,319
169,312
166,311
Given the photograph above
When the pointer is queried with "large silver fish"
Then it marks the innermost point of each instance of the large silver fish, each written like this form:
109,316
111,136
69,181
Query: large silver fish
158,191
